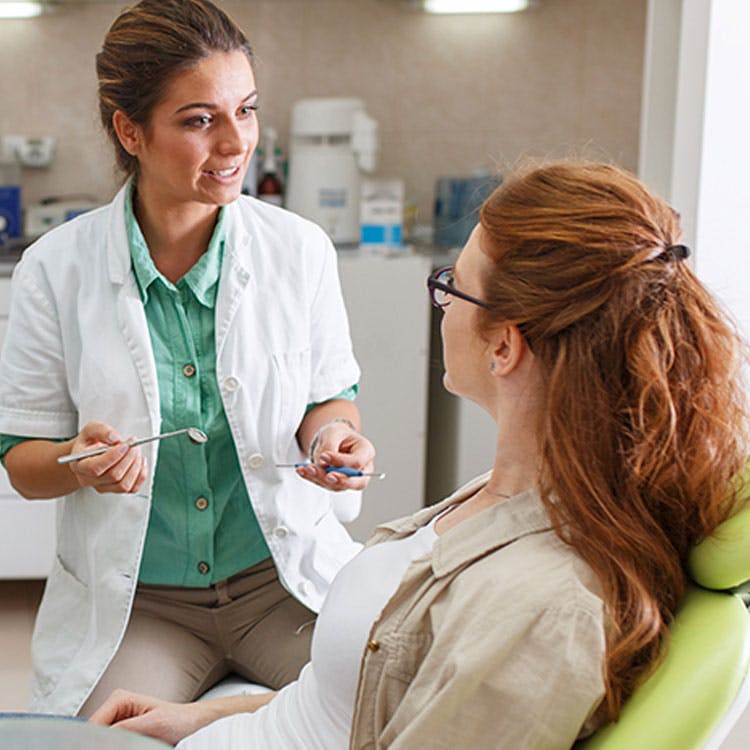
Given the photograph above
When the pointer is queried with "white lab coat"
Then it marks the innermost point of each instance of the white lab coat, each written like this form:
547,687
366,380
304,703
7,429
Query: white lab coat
78,349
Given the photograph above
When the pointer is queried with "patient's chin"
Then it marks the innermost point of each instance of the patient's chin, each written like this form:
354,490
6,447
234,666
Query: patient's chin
447,384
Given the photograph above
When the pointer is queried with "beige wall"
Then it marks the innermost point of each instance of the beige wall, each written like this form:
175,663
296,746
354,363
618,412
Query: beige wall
451,93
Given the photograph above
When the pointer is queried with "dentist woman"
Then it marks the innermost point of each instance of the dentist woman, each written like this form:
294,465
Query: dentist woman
181,304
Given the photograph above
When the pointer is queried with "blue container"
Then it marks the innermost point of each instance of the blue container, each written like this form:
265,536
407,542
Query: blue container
457,203
10,211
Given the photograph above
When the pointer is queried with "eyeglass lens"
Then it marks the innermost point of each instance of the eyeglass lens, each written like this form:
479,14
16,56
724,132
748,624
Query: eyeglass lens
440,296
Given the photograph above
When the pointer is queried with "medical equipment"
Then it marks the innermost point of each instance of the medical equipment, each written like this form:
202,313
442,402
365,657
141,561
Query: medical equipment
196,436
51,212
331,143
345,470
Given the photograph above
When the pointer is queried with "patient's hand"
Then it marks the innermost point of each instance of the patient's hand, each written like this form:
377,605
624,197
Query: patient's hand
169,722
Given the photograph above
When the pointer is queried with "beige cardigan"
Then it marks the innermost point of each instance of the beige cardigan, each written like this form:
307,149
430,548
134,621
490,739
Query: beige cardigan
496,640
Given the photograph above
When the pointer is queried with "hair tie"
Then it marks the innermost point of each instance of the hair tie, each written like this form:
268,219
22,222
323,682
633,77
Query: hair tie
670,252
677,252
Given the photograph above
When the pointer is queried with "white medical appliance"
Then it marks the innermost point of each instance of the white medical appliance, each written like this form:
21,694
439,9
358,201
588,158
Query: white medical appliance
332,142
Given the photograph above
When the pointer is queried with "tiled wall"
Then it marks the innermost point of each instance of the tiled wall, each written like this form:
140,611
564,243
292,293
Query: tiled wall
451,93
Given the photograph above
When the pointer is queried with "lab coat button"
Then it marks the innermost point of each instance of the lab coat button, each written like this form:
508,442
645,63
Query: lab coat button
203,567
281,532
302,587
231,384
256,461
188,370
201,503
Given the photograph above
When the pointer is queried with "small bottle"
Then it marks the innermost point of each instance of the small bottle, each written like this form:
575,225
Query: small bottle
250,180
281,166
269,185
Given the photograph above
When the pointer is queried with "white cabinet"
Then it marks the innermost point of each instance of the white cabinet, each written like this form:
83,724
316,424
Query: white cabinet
27,529
389,314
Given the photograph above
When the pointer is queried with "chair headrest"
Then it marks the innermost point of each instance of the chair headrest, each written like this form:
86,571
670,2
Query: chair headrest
722,560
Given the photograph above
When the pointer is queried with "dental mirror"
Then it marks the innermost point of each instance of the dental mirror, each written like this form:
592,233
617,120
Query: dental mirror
198,437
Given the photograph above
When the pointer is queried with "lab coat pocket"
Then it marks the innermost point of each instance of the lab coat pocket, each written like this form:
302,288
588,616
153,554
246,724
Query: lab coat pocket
292,372
60,627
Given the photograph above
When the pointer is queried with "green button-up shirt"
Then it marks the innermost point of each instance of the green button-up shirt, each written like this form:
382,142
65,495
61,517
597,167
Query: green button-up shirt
202,527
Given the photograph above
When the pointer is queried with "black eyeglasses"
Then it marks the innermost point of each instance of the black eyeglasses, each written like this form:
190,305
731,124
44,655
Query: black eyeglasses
440,284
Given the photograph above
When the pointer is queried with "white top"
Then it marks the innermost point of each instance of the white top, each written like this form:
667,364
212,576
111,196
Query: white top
316,710
78,348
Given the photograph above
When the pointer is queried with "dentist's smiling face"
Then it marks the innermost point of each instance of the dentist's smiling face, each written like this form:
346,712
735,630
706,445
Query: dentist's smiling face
201,135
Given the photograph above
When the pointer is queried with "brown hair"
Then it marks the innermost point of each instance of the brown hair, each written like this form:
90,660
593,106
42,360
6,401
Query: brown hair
146,47
644,427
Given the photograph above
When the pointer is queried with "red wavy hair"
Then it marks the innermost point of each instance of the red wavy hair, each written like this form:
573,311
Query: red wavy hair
645,426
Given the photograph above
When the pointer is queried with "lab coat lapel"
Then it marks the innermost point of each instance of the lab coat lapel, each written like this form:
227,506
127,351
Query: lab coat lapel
130,313
234,277
132,318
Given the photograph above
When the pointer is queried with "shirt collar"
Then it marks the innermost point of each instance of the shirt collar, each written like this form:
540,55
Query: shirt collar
490,529
202,279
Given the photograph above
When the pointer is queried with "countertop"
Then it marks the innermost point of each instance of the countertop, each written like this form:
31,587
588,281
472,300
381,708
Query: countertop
440,256
11,251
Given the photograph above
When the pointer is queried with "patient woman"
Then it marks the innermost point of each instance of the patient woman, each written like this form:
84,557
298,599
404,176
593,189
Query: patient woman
522,610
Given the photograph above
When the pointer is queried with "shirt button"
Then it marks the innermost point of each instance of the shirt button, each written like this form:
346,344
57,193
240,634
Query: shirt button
188,370
201,503
256,460
231,383
203,567
373,645
302,588
281,532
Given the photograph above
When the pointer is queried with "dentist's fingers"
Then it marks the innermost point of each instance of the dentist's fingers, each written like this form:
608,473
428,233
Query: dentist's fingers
117,470
332,480
131,480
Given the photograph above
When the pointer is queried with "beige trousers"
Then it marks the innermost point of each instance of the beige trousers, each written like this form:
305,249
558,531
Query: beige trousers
181,641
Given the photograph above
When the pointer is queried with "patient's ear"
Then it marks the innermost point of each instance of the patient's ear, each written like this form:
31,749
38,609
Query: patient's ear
129,133
508,347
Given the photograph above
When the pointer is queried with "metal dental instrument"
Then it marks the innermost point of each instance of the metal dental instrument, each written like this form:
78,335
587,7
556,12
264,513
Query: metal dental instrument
345,470
196,436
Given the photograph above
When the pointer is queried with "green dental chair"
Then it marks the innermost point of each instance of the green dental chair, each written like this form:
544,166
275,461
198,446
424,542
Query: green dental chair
702,687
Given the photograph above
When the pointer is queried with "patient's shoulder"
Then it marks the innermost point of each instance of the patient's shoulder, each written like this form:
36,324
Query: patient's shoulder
532,574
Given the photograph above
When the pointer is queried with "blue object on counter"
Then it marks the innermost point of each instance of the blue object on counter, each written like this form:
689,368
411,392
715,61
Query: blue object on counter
10,212
457,202
381,215
373,234
71,213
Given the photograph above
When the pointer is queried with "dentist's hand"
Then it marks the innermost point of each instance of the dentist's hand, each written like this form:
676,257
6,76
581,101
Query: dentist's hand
121,469
337,443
